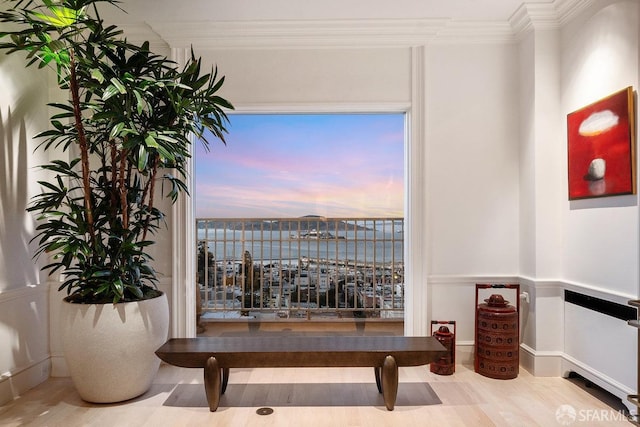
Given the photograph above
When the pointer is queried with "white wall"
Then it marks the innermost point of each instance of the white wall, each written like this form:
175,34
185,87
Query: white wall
601,241
601,236
24,313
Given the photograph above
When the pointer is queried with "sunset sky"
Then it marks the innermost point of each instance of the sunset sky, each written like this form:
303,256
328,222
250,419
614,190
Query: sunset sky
291,165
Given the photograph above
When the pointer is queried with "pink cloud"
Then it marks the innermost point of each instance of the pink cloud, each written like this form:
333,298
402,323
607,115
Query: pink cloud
280,173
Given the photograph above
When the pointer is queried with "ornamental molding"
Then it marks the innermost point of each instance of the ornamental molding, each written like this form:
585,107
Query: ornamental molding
304,34
534,16
331,34
300,34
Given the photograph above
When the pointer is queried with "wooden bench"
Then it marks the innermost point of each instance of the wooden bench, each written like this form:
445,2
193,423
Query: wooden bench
217,354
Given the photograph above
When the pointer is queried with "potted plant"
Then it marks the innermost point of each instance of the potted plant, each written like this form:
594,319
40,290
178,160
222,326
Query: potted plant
125,135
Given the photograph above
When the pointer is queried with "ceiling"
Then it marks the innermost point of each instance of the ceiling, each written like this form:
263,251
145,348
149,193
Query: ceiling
262,10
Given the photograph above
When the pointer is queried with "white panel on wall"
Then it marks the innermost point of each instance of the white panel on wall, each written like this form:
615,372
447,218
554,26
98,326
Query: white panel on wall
549,165
548,311
541,151
307,77
454,301
602,245
527,161
473,155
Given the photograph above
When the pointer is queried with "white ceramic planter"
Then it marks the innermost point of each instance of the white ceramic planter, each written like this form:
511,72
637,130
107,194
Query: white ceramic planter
110,348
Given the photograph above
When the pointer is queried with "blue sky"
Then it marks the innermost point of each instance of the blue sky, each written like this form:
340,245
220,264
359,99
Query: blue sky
291,165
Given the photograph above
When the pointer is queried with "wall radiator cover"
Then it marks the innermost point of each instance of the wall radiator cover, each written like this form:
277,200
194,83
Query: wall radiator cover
599,344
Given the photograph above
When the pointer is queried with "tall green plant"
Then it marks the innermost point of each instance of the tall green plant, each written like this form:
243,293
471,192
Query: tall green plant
130,115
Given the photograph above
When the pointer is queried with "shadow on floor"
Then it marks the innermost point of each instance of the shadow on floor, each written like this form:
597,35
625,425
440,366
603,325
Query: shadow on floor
303,394
598,392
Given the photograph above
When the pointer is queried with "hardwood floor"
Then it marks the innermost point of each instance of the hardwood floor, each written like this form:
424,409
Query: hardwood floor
320,397
324,396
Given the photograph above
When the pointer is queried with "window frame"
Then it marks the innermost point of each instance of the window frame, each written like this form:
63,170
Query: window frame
416,315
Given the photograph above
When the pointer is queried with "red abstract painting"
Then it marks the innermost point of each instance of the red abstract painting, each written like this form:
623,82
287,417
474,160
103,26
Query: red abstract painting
601,145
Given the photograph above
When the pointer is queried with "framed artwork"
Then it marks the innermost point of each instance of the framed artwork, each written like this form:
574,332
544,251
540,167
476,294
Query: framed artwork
601,148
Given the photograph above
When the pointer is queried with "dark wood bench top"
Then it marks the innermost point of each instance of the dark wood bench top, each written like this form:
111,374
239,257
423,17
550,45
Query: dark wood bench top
300,351
217,354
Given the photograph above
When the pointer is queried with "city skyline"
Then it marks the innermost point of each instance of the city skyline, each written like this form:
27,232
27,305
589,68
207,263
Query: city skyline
292,165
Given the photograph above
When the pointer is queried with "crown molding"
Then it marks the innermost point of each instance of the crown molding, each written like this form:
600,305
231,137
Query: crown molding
536,16
330,34
299,34
304,34
474,32
569,9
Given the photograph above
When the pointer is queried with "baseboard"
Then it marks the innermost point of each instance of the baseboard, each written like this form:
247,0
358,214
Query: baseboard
18,381
541,363
465,353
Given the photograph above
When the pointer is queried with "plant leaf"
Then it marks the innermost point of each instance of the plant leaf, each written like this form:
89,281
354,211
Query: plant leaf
143,158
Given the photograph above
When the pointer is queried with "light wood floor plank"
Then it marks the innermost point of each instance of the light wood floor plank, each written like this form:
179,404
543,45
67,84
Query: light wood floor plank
316,397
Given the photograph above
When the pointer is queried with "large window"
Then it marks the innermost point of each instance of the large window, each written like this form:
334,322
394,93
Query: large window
302,214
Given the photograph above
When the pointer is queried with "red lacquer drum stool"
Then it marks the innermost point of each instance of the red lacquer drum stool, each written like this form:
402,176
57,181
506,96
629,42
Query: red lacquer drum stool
497,336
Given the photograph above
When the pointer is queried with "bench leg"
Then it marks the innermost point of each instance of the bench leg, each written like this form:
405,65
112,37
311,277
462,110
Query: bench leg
377,371
225,380
212,383
389,382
